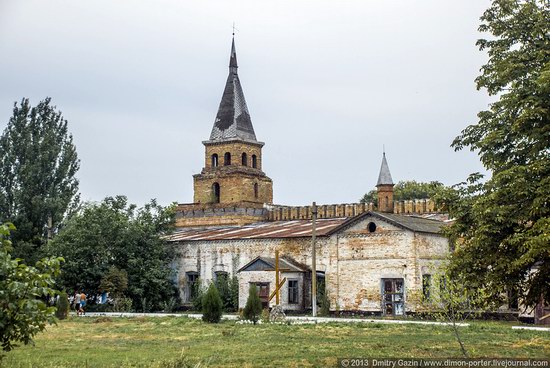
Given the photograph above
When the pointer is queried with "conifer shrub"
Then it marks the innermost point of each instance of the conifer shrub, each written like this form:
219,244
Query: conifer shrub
212,306
63,306
253,309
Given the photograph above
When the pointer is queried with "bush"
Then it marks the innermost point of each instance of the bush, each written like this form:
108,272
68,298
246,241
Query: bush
212,306
253,308
23,289
63,306
122,305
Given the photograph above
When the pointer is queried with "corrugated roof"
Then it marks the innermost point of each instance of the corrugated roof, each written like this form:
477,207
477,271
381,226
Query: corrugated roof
285,265
260,230
413,223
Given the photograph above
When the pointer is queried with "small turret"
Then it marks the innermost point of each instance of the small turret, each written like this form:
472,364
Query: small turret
385,187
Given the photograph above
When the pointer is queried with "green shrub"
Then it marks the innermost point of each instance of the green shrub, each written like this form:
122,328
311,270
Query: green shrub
229,292
212,306
253,308
63,306
122,305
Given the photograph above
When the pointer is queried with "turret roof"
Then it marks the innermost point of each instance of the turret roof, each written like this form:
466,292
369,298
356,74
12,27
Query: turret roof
384,178
233,120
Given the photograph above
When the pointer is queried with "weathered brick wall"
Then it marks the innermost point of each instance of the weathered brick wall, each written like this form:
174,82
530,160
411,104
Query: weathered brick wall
354,261
236,149
235,186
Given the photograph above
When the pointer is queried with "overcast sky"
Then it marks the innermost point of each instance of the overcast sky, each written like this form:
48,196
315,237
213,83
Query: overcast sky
327,84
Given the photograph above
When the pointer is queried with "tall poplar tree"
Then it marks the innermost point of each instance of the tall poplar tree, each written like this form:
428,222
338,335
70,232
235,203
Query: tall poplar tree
38,164
503,224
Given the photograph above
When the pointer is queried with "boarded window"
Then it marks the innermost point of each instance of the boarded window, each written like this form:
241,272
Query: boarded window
227,159
244,159
215,160
393,300
263,292
292,291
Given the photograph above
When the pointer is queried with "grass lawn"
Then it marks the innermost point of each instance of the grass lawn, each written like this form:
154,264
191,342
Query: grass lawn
122,342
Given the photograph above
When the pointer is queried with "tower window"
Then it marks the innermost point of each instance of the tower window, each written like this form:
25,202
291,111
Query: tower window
215,160
216,193
256,190
244,159
387,202
227,159
254,161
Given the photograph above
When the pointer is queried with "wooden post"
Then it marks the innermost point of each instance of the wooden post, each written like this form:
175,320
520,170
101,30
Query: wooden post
277,277
313,261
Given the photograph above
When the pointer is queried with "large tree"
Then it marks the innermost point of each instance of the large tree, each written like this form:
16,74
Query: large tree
38,164
114,233
503,224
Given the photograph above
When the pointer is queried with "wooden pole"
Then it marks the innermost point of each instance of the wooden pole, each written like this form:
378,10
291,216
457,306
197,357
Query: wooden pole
313,261
277,277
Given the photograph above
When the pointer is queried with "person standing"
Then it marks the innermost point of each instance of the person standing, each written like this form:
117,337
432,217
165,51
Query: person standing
82,303
77,300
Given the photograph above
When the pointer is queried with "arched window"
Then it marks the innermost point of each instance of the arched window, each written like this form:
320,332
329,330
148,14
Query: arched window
387,201
215,160
227,159
244,159
216,193
254,161
256,190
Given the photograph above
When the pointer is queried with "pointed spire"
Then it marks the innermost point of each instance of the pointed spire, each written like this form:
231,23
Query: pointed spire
233,120
233,58
384,178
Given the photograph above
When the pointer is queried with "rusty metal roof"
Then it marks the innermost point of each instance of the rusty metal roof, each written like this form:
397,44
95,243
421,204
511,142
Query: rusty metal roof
260,230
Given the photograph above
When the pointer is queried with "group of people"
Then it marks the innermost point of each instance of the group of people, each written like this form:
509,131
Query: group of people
78,302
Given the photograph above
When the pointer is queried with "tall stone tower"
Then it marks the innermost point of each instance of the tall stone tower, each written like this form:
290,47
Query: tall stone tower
232,173
385,187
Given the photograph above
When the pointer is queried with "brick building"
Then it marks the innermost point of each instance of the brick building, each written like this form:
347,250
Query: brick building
372,261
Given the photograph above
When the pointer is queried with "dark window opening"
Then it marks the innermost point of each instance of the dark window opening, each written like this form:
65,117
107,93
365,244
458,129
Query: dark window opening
426,286
227,159
393,297
216,193
220,279
192,285
371,227
513,299
292,291
387,201
244,159
215,160
254,161
256,190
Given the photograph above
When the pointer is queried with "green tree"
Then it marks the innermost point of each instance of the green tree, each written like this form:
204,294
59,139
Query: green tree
114,233
406,190
253,308
23,312
62,306
38,164
503,224
212,305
